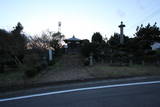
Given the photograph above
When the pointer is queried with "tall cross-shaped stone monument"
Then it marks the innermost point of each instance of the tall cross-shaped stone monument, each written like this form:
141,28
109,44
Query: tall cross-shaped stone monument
121,33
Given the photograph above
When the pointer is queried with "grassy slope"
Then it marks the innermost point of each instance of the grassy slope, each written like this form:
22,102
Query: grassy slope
123,71
70,67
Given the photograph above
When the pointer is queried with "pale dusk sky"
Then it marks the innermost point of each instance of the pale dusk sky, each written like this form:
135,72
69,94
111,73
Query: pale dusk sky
79,17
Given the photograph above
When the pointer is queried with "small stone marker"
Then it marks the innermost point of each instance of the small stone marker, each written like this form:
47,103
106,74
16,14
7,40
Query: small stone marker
91,59
50,55
65,48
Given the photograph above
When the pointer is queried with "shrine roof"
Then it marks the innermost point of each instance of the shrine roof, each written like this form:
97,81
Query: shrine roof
73,39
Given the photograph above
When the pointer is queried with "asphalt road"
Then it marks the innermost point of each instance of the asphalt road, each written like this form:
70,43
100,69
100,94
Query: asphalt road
141,95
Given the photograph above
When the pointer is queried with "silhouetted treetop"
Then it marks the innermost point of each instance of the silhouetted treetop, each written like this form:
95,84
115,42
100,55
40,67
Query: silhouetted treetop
114,40
12,45
149,33
18,29
97,38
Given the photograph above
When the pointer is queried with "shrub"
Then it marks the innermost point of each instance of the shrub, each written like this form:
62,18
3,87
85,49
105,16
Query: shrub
86,62
33,64
31,72
86,49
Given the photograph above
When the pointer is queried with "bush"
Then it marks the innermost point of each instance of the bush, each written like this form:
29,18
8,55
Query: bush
31,72
33,64
86,49
86,62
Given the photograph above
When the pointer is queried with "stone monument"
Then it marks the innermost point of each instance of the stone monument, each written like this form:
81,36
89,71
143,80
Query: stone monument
121,32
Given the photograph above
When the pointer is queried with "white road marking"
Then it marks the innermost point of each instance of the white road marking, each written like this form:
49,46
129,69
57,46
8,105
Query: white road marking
79,89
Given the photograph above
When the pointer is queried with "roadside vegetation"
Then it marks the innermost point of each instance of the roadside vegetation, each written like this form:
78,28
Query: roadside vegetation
135,50
62,72
23,53
24,59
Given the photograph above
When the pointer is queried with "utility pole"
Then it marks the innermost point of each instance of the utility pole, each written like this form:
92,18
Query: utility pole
59,26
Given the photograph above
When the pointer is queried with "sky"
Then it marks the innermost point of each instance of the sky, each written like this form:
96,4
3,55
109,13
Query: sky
78,17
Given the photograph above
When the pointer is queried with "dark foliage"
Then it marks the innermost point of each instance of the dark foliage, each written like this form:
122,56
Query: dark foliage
114,40
97,38
86,48
148,33
33,64
12,46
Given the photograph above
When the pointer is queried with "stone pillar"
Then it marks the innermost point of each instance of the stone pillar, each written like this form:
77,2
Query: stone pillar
121,33
50,55
91,59
66,49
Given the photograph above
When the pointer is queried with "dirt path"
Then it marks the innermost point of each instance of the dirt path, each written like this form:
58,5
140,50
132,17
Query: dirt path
69,67
71,61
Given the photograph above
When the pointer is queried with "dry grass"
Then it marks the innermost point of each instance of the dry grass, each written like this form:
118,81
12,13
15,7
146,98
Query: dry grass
71,68
62,72
10,78
123,71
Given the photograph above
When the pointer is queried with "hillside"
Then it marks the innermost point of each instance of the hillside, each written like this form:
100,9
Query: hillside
69,67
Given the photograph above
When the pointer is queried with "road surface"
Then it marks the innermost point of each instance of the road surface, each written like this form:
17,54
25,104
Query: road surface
138,94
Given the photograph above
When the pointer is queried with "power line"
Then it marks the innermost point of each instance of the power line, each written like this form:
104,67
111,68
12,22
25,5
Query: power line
147,17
